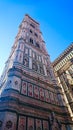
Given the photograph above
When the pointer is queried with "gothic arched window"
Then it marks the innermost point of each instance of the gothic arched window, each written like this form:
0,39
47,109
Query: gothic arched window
37,45
31,40
30,31
36,34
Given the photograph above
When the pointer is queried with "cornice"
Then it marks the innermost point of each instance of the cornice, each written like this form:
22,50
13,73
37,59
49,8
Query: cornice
32,19
30,75
62,55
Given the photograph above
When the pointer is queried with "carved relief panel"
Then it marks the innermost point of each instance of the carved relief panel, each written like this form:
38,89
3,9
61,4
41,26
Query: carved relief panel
13,82
38,124
41,93
10,122
16,83
9,83
30,125
36,92
26,61
47,98
24,88
30,90
22,123
45,125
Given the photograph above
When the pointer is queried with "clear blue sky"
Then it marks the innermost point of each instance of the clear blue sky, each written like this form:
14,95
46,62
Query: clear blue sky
55,18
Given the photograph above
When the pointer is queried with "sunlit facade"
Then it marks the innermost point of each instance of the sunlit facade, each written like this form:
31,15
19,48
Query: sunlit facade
30,96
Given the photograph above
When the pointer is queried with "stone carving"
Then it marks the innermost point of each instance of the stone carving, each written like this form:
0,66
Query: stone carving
26,61
30,124
45,125
38,124
41,94
22,123
47,99
36,92
24,88
16,82
20,58
9,124
30,90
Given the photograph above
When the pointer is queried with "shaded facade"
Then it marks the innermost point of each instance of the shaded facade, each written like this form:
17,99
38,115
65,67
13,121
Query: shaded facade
63,68
30,97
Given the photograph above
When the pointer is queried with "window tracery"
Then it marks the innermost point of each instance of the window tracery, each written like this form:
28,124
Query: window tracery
36,34
37,45
16,82
31,40
30,31
32,25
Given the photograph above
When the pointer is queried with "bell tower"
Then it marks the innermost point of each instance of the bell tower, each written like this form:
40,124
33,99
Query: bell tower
29,92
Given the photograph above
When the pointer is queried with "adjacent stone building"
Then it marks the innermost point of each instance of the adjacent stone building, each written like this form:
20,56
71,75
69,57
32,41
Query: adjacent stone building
30,97
63,68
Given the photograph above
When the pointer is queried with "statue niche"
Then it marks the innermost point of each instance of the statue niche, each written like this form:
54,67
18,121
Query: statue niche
34,66
26,61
